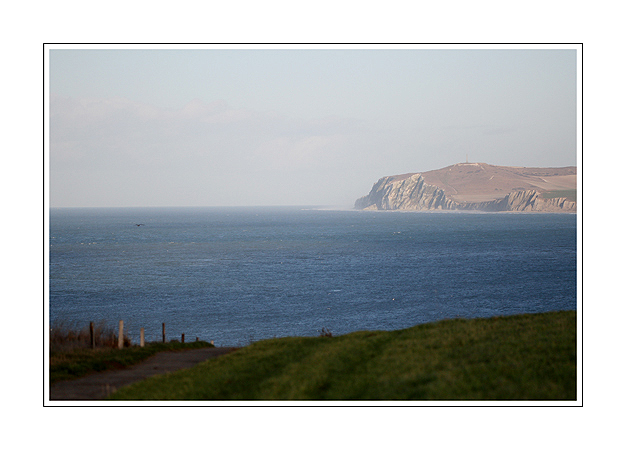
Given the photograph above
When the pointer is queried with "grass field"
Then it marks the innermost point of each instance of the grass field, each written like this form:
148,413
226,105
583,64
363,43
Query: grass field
569,194
530,356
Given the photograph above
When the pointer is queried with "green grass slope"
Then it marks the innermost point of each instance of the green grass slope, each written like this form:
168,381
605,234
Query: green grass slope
569,194
531,356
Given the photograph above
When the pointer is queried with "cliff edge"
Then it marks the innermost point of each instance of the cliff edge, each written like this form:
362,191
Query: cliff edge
476,187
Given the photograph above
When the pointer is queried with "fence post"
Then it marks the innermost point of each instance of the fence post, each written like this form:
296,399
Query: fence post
120,339
164,332
182,338
92,338
142,340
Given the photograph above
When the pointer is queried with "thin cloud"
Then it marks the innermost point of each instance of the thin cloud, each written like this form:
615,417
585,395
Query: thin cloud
204,143
499,130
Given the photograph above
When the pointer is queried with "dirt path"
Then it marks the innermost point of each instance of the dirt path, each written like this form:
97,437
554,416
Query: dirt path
99,385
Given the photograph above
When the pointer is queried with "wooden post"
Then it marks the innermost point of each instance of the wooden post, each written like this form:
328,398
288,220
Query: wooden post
92,338
142,341
164,332
120,339
182,338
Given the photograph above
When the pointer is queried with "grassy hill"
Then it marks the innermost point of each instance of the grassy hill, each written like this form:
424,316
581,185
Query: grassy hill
531,356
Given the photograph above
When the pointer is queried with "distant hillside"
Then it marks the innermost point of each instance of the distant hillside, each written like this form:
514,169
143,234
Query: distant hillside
476,186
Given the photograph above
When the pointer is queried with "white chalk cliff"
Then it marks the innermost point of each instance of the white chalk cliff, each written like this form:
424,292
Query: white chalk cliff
476,187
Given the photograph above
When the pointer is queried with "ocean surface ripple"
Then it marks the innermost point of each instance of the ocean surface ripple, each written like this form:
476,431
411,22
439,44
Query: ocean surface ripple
237,275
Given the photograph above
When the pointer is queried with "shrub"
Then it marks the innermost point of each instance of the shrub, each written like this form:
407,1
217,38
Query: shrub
67,337
326,332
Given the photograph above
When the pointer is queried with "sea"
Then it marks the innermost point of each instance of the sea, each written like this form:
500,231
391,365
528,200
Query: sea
238,275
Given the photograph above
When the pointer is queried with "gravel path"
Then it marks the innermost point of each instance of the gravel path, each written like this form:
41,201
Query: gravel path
99,385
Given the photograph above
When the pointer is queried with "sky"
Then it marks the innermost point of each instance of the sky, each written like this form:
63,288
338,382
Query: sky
310,127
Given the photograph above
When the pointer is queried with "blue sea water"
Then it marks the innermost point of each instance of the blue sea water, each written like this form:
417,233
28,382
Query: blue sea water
236,275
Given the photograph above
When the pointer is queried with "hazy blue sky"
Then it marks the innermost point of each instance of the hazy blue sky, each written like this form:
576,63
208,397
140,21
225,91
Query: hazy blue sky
295,127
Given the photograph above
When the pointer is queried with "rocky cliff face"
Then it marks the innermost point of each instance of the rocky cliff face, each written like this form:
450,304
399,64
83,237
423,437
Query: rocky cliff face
413,193
410,193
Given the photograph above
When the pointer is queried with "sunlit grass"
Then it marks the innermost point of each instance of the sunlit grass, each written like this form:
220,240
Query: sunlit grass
569,194
530,356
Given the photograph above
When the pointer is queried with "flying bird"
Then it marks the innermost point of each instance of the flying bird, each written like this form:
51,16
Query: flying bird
139,224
